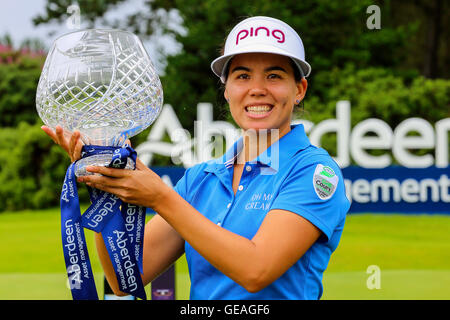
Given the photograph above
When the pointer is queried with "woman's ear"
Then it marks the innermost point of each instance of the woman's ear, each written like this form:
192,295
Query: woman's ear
225,95
302,86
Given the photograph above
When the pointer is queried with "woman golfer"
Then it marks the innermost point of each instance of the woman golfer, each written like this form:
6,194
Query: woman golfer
262,221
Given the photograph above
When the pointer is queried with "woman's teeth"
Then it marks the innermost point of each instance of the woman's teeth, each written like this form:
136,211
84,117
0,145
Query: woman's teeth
258,109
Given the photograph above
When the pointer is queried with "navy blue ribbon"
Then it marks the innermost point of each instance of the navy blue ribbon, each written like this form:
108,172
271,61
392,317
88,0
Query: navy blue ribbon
78,266
121,224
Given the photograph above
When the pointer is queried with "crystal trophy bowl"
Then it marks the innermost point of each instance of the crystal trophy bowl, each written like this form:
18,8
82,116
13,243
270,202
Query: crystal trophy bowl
101,83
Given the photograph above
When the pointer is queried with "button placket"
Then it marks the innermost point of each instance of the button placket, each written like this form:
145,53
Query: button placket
223,216
248,173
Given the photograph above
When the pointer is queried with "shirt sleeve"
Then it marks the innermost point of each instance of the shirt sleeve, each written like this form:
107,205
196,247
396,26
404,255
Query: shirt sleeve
189,180
182,186
317,193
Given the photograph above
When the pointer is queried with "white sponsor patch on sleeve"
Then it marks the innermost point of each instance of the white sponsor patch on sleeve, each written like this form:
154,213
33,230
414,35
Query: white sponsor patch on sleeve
325,181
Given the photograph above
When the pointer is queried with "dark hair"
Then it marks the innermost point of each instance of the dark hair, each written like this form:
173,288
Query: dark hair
297,74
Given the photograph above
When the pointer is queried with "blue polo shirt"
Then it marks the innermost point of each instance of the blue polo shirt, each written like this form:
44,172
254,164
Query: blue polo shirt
291,175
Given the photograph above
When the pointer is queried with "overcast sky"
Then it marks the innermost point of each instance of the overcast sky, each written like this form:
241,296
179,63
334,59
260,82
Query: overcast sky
16,16
16,20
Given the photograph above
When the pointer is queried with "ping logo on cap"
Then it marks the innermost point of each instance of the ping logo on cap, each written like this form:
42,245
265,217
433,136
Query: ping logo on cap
276,33
325,181
262,35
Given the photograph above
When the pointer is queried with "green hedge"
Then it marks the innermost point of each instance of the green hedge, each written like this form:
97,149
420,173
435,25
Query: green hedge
376,93
32,169
379,93
19,75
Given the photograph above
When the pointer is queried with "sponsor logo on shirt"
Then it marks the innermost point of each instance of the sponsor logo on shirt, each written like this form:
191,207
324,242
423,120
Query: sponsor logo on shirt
325,181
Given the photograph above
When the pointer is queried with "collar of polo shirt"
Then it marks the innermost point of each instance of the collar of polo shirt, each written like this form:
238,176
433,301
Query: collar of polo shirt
291,143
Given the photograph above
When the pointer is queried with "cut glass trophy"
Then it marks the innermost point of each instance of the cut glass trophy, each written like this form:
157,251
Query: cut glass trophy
101,83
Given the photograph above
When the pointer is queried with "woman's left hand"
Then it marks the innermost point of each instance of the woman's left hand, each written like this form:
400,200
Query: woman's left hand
141,187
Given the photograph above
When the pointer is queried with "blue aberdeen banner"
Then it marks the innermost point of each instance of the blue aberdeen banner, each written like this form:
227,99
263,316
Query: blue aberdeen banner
398,189
393,189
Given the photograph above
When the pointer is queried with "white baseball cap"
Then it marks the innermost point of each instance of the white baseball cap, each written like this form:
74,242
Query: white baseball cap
265,35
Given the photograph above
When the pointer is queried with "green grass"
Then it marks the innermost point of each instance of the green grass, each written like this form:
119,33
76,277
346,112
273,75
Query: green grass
32,263
412,252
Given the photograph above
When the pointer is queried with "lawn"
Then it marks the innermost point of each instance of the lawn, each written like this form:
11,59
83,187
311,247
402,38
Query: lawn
411,252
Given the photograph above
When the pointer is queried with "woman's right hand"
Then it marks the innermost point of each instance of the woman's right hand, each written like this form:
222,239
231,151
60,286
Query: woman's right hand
72,145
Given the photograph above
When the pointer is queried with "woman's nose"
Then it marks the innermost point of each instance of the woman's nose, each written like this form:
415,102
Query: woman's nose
258,88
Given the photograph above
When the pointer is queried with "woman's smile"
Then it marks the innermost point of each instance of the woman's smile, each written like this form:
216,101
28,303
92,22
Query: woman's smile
259,110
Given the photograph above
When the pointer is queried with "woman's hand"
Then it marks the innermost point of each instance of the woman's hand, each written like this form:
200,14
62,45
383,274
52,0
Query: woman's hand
72,145
141,187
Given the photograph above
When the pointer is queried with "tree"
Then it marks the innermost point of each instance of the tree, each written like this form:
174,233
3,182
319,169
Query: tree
334,34
429,45
56,10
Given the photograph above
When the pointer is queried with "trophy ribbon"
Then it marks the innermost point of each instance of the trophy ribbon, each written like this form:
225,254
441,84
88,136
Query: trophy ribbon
121,224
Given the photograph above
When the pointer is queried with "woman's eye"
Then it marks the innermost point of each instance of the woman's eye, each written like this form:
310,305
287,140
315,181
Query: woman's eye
274,76
243,76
